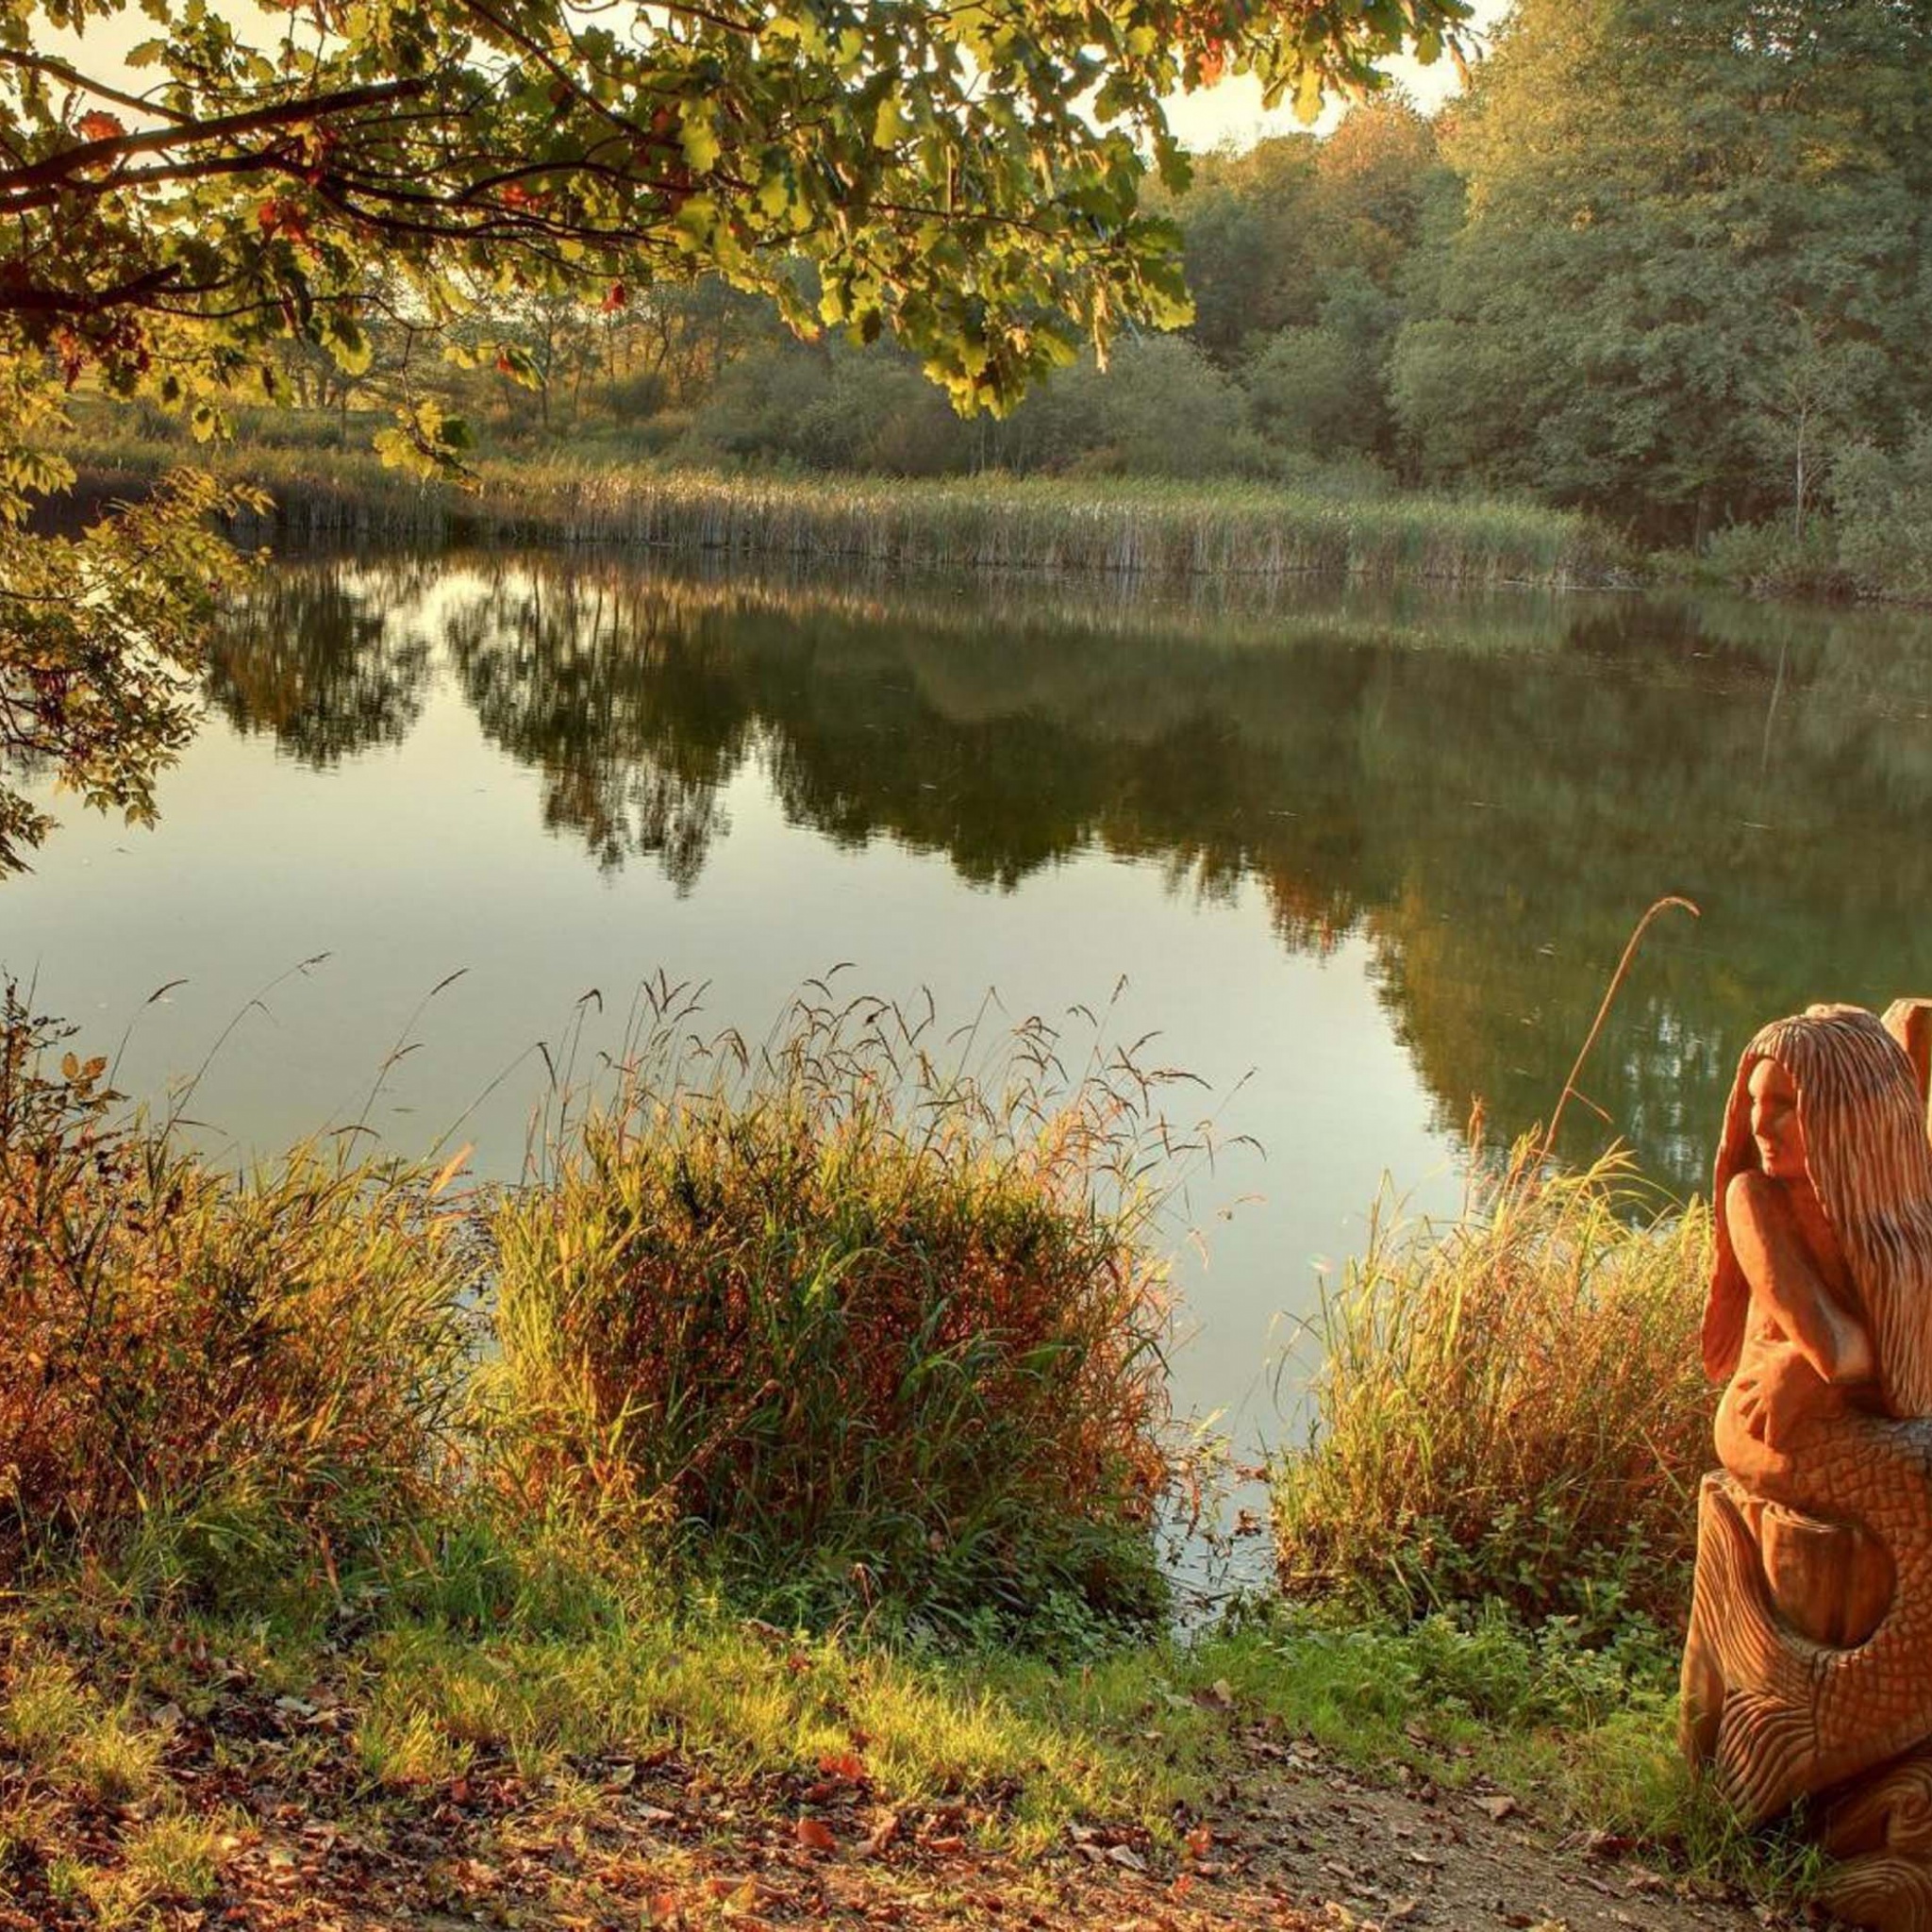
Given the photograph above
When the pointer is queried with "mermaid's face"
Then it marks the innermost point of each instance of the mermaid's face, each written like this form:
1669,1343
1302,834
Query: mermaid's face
1775,1125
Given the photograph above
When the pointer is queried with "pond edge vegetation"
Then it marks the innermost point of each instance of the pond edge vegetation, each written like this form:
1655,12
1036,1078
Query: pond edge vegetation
856,1334
1146,528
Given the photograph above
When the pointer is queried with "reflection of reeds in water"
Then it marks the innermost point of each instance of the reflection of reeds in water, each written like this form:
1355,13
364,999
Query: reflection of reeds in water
1145,531
606,601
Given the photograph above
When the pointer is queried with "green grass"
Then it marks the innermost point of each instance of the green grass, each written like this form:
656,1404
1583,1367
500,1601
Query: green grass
1151,530
1511,1409
579,1700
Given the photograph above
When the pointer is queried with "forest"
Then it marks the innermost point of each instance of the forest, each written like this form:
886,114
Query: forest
1666,264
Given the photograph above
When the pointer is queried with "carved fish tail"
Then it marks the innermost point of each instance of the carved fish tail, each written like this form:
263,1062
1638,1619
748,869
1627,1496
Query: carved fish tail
1765,1752
1874,1700
1731,1603
1761,1737
1884,1893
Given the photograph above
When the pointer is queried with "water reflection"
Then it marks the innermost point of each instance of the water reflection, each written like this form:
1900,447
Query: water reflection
1488,791
314,656
613,695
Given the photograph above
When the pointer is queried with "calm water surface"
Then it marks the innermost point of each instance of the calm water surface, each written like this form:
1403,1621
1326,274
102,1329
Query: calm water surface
1360,859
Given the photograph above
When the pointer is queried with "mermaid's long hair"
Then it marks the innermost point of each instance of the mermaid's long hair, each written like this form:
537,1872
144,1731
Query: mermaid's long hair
1871,1162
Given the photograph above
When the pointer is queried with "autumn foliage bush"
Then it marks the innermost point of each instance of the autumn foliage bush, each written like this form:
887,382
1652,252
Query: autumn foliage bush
244,1373
818,1320
845,1326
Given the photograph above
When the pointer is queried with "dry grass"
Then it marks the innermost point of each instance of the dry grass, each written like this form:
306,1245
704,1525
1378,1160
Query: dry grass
847,1324
1511,1409
236,1375
1149,530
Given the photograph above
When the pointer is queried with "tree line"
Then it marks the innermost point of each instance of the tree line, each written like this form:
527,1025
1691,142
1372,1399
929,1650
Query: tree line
1666,262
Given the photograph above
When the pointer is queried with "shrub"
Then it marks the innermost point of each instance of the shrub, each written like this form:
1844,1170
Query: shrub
1884,507
844,1326
1311,391
1768,559
266,1361
1513,1409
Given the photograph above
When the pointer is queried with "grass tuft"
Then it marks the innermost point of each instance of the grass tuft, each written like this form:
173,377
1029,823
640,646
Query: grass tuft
1511,1409
846,1326
218,1380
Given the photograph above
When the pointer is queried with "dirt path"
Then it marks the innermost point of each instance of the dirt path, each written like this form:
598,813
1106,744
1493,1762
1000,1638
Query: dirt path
1356,1854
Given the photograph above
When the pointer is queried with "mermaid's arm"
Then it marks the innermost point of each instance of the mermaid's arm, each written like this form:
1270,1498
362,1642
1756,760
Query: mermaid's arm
1785,1282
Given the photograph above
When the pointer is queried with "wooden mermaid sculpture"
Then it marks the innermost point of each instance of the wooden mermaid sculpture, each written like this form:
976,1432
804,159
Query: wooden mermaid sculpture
1808,1670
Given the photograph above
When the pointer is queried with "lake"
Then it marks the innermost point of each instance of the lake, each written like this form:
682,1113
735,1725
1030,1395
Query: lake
1359,858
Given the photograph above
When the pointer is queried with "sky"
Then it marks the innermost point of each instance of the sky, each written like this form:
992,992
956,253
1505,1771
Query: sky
1231,115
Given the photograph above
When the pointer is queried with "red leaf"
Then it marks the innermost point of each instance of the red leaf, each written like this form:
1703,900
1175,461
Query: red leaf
847,1765
815,1835
283,217
615,300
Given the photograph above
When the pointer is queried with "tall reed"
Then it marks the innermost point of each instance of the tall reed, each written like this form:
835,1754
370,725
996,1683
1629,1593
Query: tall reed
1156,530
246,1376
1510,1409
844,1321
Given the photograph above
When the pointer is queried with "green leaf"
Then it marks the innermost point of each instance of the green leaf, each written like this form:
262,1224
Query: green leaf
891,124
697,134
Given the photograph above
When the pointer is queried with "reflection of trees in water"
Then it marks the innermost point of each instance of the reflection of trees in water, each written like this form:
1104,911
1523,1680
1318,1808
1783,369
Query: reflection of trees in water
1490,812
606,685
315,656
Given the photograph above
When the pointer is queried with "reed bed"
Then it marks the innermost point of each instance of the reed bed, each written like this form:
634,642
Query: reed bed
256,1375
1148,531
1512,1409
847,1324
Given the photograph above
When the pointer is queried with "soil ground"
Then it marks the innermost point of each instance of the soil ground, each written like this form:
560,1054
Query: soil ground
1350,1853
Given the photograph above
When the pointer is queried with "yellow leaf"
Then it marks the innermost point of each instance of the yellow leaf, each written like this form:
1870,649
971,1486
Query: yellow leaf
890,122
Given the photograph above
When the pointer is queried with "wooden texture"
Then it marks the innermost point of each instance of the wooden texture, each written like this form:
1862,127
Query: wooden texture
1808,1669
